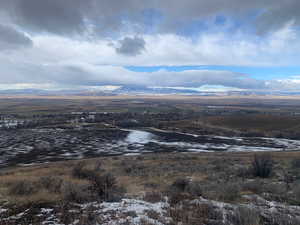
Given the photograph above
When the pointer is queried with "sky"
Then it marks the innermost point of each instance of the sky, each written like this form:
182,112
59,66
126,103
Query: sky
198,44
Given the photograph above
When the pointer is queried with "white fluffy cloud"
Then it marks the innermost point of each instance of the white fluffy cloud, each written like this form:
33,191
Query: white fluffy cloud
278,48
64,62
79,74
74,43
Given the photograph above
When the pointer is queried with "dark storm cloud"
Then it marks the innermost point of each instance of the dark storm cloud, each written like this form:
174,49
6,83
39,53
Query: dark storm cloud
58,16
131,46
279,15
273,14
69,16
12,39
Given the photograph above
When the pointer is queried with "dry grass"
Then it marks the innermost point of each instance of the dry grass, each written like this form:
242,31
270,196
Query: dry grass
157,172
263,123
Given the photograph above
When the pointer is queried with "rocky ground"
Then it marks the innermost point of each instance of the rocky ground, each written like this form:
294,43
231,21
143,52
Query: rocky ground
255,210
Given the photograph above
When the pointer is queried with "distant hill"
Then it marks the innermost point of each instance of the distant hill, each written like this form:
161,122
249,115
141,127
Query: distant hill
139,90
41,92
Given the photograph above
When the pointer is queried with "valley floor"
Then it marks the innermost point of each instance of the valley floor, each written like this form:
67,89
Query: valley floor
43,145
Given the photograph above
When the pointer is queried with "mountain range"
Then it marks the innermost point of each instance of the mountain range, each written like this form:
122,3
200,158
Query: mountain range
137,90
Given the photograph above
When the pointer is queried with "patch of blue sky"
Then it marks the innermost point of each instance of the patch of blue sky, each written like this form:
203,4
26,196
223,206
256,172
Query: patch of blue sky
262,73
221,22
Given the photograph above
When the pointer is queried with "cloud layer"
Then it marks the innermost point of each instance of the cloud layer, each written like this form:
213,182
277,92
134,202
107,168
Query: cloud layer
12,39
71,43
69,16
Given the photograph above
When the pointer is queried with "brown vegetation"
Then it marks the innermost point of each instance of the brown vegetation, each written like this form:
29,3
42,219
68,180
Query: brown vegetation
195,174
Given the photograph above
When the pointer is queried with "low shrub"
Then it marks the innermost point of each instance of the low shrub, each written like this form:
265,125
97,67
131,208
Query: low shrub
73,192
105,187
228,192
79,171
262,165
183,189
22,187
51,183
244,172
98,166
295,163
219,165
180,185
195,189
297,193
254,186
133,168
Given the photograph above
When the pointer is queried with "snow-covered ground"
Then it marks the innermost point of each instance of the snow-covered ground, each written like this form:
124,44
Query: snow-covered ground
140,138
135,212
45,145
127,211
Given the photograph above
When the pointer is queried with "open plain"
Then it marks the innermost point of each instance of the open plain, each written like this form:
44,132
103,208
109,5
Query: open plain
140,159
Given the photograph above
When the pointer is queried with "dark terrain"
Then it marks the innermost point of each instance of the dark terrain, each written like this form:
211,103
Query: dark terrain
150,160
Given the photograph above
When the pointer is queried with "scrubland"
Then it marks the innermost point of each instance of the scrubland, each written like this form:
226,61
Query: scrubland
235,179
